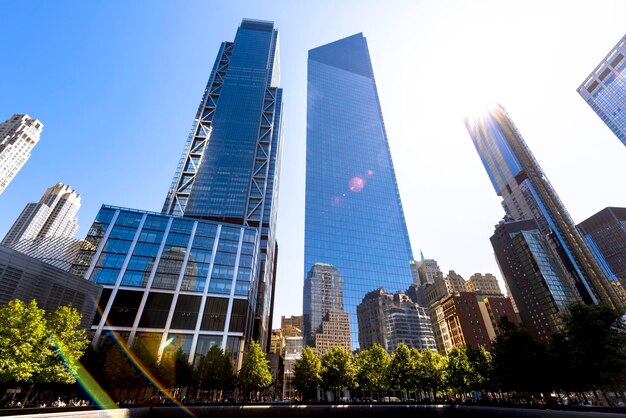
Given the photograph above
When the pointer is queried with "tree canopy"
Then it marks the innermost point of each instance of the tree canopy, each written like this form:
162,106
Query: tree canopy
307,372
255,369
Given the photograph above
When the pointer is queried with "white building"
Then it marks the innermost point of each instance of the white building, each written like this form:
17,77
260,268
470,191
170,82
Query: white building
18,136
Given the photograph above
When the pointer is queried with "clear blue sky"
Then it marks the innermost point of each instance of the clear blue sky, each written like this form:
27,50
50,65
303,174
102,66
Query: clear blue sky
117,85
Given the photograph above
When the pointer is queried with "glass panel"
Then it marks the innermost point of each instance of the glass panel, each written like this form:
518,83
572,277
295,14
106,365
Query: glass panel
156,310
186,312
214,316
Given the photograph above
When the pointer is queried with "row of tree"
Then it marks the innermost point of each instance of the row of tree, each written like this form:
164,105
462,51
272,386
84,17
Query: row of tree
588,354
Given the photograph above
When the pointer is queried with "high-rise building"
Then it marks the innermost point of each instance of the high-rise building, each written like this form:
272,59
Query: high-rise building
427,270
202,272
18,136
527,194
605,91
53,216
354,219
389,320
229,169
605,233
325,322
535,280
485,285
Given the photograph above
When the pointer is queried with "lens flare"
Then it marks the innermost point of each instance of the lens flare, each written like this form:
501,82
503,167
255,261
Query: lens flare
168,342
356,184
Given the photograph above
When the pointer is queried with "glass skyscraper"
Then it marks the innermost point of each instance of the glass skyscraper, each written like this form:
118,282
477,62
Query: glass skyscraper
229,169
605,90
354,220
527,194
202,271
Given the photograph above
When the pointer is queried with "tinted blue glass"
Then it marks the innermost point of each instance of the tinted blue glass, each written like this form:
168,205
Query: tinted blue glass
354,219
222,183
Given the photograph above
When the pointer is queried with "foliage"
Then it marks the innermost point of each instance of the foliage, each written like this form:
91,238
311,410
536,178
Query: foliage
176,371
307,371
36,349
215,370
430,370
460,374
590,352
401,373
519,362
371,368
482,364
337,369
255,369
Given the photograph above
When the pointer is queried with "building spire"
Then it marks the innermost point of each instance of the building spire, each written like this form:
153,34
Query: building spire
421,255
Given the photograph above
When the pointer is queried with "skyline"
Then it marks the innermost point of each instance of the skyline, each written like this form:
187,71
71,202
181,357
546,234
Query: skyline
147,82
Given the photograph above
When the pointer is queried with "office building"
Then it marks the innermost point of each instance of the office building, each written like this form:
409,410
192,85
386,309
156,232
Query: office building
45,230
26,278
605,91
229,169
185,281
535,280
18,136
427,270
443,287
390,319
469,318
354,219
325,322
605,233
293,352
527,194
292,326
485,285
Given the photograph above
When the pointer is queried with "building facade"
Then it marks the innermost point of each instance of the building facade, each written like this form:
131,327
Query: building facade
229,169
293,352
605,91
18,136
535,280
354,219
390,319
325,322
185,281
484,284
527,194
45,230
605,233
26,278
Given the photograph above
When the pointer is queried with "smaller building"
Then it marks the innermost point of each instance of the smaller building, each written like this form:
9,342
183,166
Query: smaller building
443,287
26,278
485,285
293,351
292,326
390,319
469,318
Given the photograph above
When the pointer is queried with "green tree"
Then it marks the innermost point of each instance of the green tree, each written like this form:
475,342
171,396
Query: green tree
24,346
482,365
591,350
402,369
176,371
460,374
520,364
431,371
337,370
255,369
215,371
307,373
371,368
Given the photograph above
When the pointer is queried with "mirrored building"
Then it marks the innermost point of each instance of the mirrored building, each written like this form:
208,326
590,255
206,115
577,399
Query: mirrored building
354,219
605,90
527,194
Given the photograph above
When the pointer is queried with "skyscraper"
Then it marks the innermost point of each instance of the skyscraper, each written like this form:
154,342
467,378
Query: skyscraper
201,272
534,278
605,91
229,169
605,232
53,216
354,219
527,194
18,136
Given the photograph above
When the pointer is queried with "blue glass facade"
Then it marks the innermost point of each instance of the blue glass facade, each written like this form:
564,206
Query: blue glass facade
354,219
229,170
168,277
527,194
605,90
